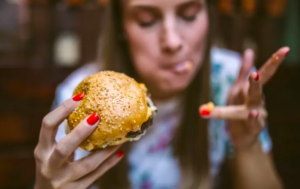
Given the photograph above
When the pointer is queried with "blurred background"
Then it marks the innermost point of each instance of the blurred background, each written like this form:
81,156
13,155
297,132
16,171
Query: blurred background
43,41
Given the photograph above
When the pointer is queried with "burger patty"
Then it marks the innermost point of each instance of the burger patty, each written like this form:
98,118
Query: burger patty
144,127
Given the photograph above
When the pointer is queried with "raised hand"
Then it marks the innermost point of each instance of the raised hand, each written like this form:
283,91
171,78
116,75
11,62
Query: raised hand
246,113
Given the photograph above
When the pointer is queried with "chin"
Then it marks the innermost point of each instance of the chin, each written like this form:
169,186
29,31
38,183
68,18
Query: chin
165,86
181,83
174,88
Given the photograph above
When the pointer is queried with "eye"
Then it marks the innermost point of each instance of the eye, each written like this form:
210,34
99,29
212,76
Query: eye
147,24
189,18
190,11
145,18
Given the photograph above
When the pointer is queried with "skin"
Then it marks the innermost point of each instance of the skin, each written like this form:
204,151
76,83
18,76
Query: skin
162,34
54,169
159,40
246,115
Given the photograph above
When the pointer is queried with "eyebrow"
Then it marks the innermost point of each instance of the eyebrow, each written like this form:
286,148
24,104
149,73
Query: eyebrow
145,7
153,8
188,4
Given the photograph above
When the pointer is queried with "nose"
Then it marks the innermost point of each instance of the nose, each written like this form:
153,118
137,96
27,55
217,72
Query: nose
171,41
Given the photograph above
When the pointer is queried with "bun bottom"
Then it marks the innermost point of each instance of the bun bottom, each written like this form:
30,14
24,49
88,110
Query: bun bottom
90,147
116,143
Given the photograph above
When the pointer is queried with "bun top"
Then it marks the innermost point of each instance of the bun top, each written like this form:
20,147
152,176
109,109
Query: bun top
120,102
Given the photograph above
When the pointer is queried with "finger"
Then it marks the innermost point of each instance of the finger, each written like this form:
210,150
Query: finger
103,168
255,90
256,122
247,65
270,67
90,163
54,118
239,112
66,146
237,95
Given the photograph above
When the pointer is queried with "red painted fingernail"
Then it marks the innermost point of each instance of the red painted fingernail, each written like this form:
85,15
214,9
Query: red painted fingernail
287,52
120,154
78,97
256,78
256,113
93,119
204,112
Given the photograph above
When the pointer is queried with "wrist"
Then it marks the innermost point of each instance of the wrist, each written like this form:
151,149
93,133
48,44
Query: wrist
252,147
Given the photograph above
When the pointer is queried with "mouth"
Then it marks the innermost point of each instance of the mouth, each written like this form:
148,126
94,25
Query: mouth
181,68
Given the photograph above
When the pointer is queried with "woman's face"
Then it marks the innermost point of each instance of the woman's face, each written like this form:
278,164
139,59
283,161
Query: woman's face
167,41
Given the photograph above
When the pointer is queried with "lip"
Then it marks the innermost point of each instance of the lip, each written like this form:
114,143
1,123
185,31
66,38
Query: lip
180,68
174,64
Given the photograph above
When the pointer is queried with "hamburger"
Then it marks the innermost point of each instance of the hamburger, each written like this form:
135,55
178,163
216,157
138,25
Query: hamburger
123,105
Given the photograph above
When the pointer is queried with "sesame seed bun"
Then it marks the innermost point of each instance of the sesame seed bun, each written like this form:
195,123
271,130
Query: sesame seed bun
120,102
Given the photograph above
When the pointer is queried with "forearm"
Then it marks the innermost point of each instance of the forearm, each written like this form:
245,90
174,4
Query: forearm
253,169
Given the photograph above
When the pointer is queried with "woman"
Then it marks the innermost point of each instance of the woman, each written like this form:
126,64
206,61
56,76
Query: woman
156,42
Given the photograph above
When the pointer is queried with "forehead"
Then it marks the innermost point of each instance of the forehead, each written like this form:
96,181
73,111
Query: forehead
156,3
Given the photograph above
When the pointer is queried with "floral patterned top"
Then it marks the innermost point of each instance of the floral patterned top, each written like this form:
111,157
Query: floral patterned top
152,165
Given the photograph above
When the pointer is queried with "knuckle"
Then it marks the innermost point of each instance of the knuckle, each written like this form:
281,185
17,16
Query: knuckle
78,133
88,167
45,173
46,122
57,185
37,155
60,151
67,106
54,181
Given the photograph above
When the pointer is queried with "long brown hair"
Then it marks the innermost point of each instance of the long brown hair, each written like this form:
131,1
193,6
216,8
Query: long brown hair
190,142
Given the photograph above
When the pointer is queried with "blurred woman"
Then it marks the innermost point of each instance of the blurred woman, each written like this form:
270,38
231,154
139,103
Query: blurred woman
166,44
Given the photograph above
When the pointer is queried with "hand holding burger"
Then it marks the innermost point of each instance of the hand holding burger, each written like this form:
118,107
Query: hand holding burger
108,109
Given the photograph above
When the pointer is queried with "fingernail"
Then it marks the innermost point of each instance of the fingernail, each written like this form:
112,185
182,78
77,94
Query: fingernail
287,53
78,97
206,109
255,113
204,112
256,77
120,153
93,119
